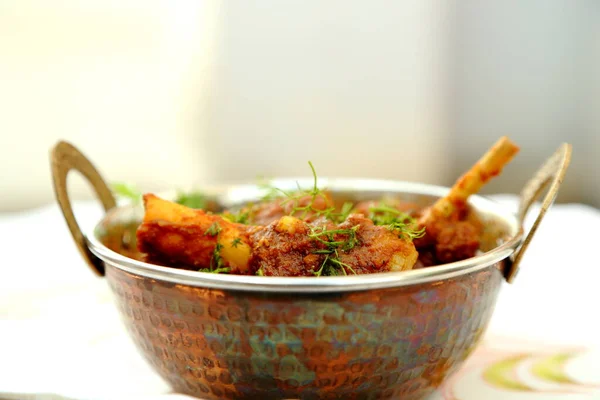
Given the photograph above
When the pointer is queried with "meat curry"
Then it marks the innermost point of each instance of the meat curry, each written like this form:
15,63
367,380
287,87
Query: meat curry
308,233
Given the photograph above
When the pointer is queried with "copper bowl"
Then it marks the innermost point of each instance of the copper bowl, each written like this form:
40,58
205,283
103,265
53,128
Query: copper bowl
378,336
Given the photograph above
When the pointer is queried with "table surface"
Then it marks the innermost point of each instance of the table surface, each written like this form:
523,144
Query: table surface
60,333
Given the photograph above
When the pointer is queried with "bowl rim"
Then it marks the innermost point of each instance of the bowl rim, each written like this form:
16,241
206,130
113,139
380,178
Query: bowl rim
327,284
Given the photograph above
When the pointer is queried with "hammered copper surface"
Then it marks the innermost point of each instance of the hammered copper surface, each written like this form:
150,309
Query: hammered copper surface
391,343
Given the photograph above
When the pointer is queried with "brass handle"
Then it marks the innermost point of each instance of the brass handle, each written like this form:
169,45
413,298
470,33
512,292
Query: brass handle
64,157
553,170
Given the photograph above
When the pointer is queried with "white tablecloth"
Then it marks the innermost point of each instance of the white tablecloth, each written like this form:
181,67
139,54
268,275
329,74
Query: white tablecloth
60,333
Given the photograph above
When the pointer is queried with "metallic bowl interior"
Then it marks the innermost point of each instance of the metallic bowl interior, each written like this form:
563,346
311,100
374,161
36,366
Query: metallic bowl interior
386,335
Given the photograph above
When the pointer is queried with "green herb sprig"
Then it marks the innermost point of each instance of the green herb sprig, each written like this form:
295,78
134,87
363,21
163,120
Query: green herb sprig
345,211
196,200
297,197
216,262
396,221
127,191
332,265
240,217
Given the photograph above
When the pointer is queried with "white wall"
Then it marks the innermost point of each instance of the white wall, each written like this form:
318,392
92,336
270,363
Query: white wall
530,70
171,93
165,93
122,79
357,87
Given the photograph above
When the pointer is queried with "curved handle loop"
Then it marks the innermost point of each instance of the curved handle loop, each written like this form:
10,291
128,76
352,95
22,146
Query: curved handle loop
64,158
553,170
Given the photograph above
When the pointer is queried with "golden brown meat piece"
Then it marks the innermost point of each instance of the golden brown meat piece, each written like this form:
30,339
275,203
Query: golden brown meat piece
381,249
292,247
457,241
177,236
452,232
283,248
450,239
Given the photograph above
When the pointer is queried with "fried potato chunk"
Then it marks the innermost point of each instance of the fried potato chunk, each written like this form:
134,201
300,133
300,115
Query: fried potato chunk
173,234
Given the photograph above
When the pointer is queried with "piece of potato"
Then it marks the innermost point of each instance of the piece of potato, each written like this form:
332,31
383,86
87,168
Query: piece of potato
172,233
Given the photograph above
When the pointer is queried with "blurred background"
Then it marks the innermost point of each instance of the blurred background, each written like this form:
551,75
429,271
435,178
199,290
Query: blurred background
166,94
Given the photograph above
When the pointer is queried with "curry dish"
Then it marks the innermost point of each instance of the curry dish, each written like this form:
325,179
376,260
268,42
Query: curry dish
308,233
